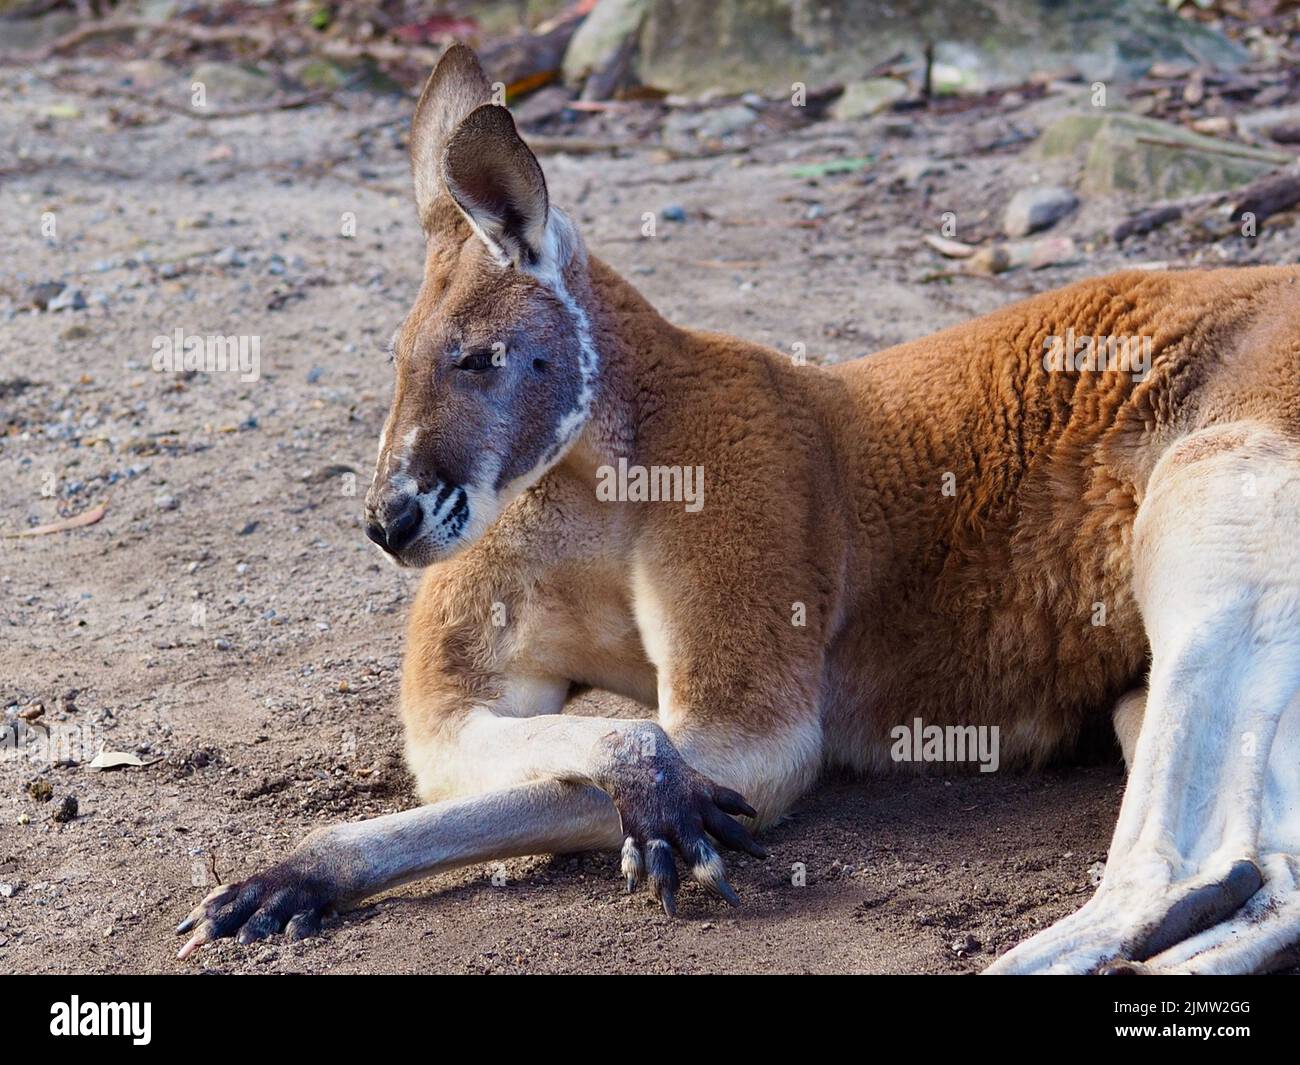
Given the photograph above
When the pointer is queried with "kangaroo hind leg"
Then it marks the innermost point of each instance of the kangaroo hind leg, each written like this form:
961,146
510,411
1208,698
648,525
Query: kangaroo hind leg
1202,871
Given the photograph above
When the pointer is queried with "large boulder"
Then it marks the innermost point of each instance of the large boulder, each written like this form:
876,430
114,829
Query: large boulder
601,35
1122,154
862,99
767,45
230,84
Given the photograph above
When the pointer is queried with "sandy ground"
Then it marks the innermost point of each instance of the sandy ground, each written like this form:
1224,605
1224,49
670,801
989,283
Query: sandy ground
228,623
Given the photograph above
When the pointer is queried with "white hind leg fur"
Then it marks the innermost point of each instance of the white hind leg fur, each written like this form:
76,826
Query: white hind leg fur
1203,868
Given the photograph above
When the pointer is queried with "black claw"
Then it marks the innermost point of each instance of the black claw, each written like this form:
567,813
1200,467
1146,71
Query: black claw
733,803
303,926
661,867
725,892
731,834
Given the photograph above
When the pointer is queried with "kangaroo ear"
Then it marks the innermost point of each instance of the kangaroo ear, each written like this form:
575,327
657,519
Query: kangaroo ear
456,86
497,183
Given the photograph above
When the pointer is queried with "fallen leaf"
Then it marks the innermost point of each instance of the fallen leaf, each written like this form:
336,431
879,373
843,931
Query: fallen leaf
952,249
114,760
86,517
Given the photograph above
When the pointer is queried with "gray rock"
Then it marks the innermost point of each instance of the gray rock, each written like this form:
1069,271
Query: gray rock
227,84
1123,154
70,299
39,295
862,99
1037,207
541,105
683,129
67,810
725,121
685,46
600,36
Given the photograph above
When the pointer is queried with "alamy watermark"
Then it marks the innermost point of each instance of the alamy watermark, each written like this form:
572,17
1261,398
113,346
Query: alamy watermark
42,744
919,742
1073,354
179,353
133,1020
628,483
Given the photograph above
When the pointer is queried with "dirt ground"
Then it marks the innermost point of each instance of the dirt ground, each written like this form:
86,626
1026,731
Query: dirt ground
228,623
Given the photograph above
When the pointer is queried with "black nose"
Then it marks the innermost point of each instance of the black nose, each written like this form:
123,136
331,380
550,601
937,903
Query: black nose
401,527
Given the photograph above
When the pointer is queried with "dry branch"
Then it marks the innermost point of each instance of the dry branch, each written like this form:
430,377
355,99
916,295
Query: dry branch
283,104
1268,195
262,39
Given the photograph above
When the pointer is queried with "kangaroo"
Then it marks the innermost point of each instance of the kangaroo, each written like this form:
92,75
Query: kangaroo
976,528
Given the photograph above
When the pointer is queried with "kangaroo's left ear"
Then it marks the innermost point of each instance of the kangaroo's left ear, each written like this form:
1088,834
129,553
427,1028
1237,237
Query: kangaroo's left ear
456,86
498,185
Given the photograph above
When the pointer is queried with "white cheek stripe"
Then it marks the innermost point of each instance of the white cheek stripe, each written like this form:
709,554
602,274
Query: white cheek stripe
559,247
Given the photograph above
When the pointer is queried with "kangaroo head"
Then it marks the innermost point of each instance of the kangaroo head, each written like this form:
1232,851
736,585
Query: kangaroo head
496,372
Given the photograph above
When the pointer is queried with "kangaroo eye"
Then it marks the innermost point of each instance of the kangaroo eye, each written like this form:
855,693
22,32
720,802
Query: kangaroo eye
479,360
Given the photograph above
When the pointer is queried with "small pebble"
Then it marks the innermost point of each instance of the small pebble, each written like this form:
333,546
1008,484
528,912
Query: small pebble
40,789
70,299
67,810
39,295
